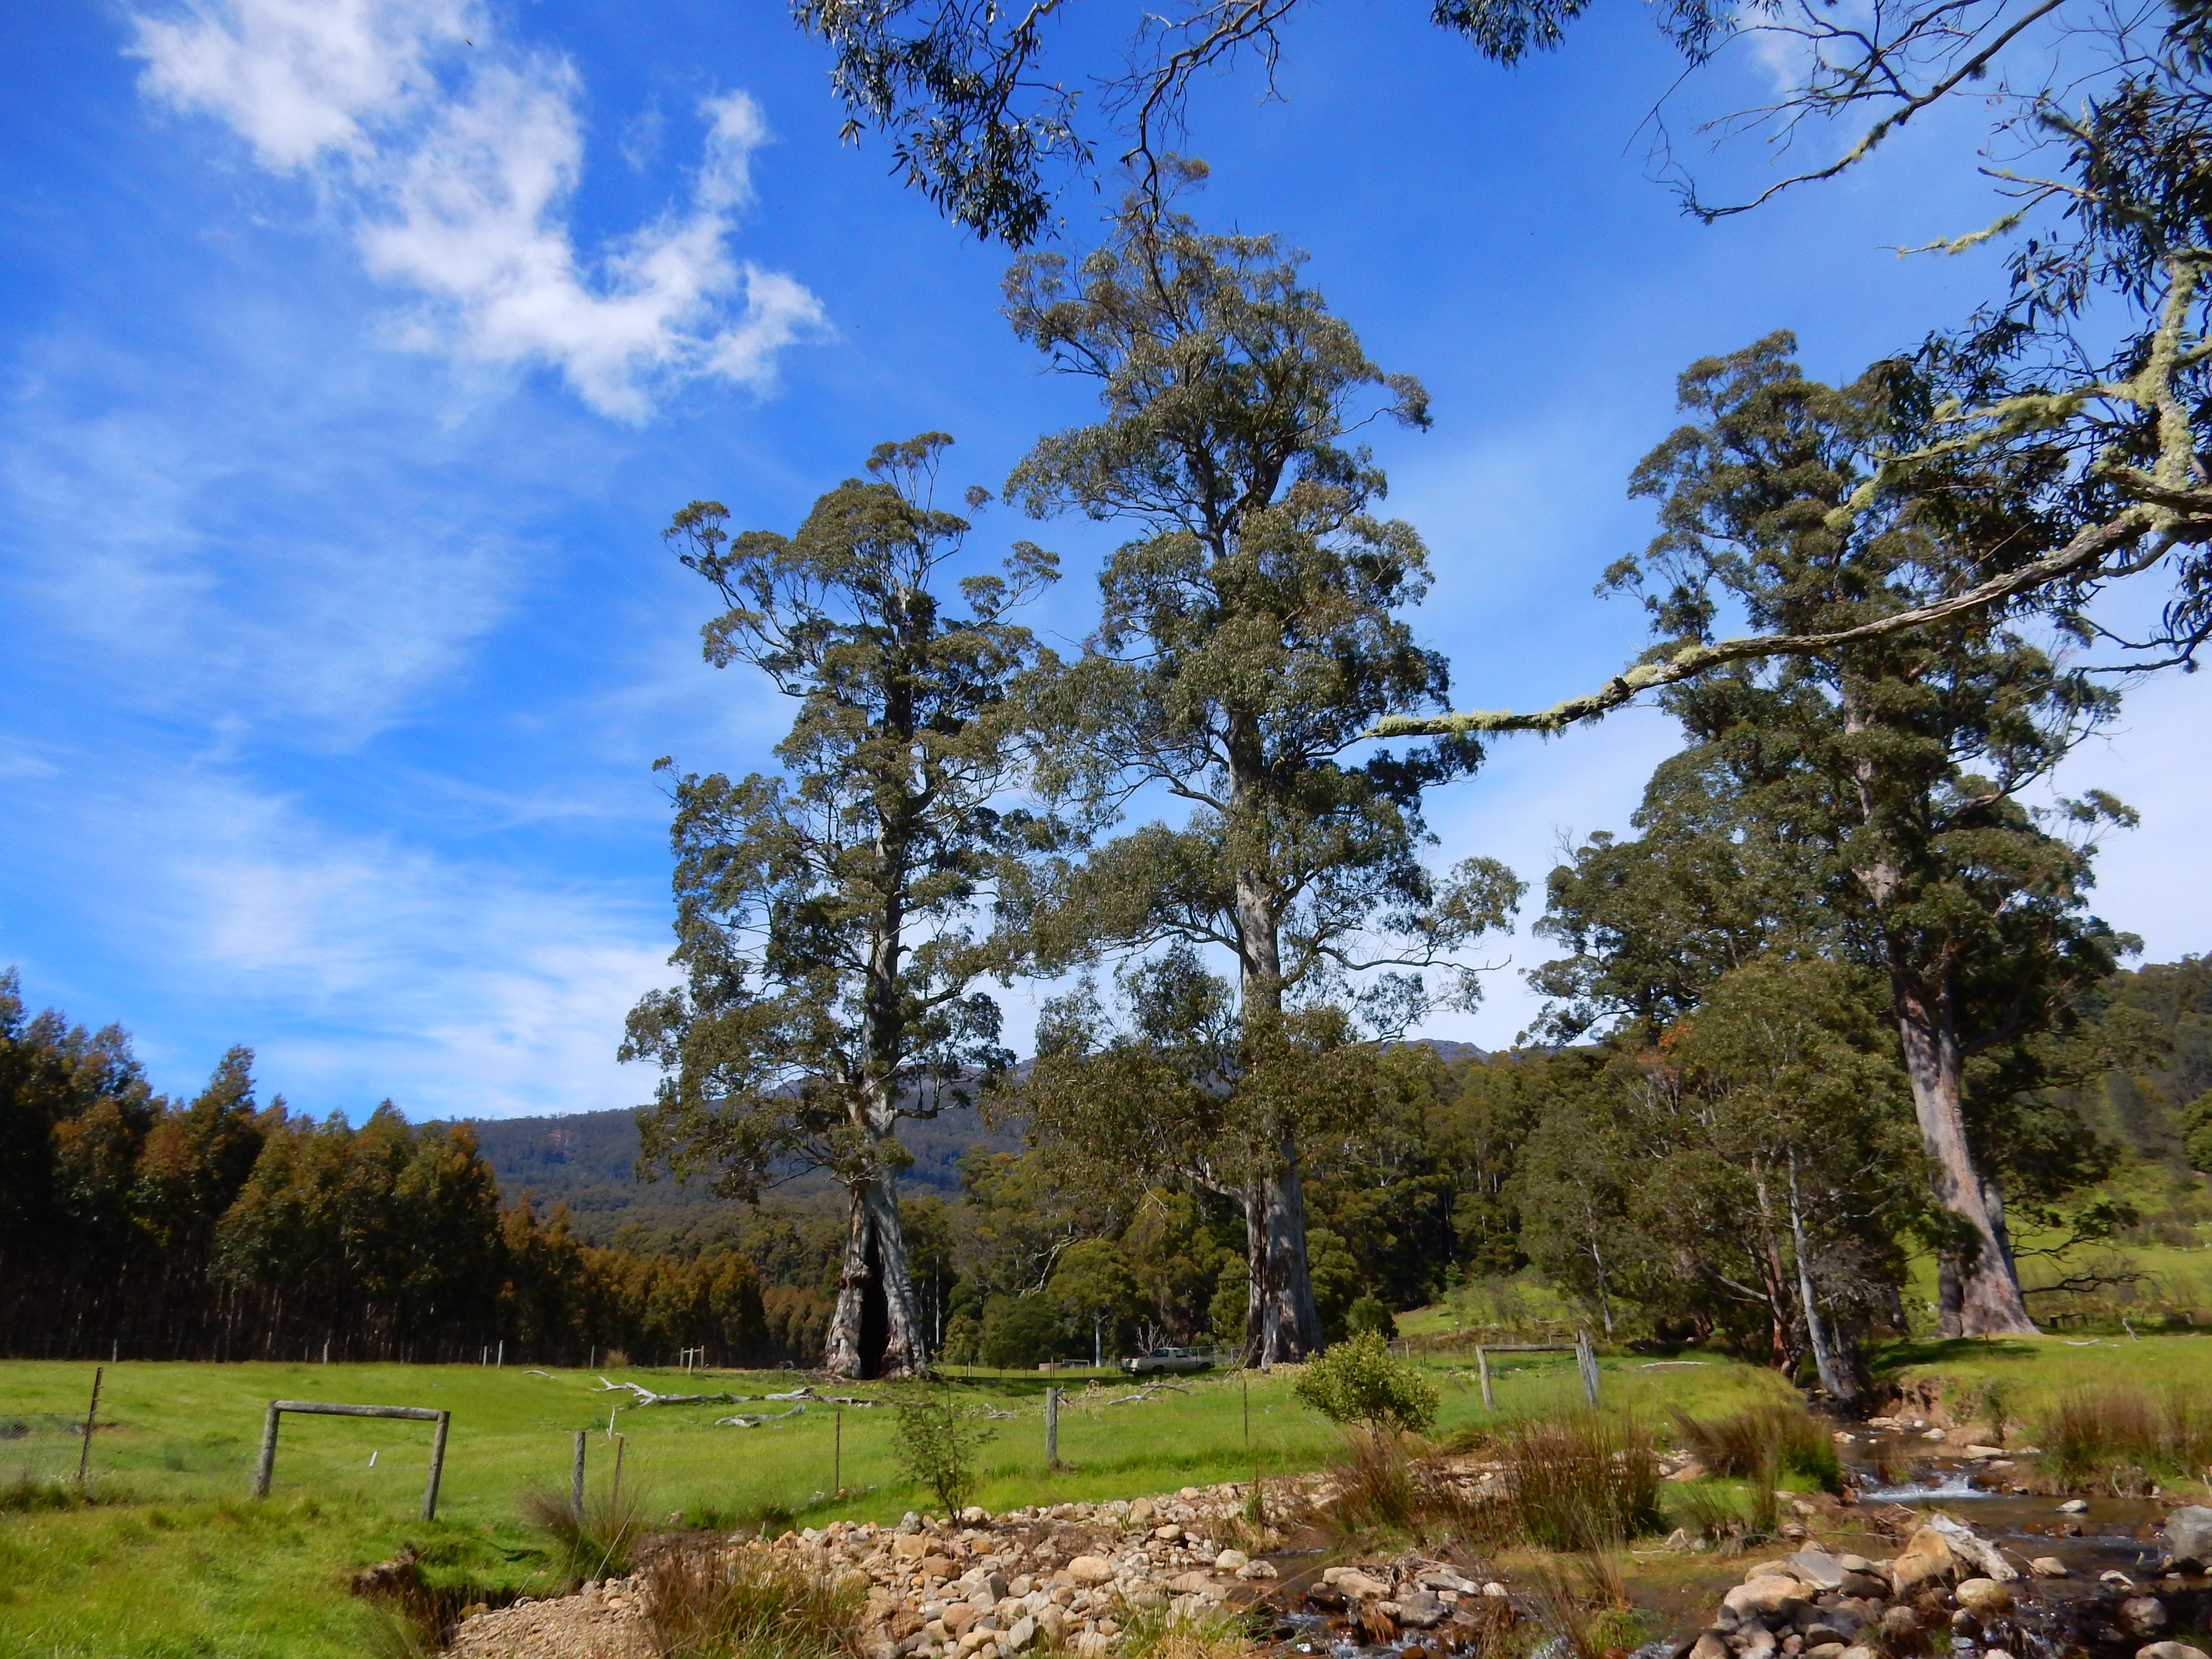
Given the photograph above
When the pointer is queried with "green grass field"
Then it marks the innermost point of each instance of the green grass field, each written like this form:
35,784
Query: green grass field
177,1560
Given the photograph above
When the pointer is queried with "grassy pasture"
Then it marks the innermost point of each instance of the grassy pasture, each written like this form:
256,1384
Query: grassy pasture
176,1559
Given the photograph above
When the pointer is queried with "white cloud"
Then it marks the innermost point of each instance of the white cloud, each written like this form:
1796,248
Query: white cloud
455,161
357,965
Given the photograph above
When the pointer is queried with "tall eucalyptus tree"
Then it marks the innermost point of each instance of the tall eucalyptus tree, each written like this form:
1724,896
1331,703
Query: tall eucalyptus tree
1250,636
831,921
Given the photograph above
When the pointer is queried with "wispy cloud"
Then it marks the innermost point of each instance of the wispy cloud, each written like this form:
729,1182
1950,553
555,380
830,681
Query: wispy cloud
453,160
358,965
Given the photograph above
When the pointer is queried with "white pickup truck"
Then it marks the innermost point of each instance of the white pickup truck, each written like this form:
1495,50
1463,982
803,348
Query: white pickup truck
1162,1361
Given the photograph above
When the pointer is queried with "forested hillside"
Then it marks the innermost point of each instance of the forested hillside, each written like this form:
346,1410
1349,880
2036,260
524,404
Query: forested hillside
220,1225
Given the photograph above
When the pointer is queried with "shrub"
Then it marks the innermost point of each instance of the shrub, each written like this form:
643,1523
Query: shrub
1762,1442
748,1604
1358,1382
935,1442
1582,1484
1369,1314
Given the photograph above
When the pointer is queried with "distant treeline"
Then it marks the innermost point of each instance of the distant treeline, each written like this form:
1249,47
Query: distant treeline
218,1228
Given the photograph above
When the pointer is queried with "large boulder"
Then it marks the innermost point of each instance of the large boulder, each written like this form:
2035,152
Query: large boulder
2189,1539
1975,1551
1418,1610
1926,1558
1985,1598
2143,1617
1822,1570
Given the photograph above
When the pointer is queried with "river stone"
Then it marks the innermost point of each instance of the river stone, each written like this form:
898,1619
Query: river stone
1710,1645
1191,1583
1762,1598
1866,1586
1858,1653
1900,1624
1420,1610
2171,1651
912,1547
2048,1566
2189,1539
2074,1506
1231,1560
1824,1650
1926,1558
1817,1568
1353,1583
1984,1597
2143,1616
1022,1633
1974,1550
1091,1570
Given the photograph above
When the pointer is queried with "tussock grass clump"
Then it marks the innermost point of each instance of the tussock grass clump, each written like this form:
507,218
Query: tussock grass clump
1384,1491
1156,1633
1585,1484
1584,1605
747,1604
596,1544
1761,1443
1714,1517
2122,1439
30,1494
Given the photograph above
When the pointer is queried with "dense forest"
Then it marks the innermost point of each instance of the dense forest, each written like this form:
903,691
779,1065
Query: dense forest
135,1224
218,1226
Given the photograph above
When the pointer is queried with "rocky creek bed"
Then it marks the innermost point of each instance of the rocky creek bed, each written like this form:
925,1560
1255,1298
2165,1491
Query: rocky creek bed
1938,1548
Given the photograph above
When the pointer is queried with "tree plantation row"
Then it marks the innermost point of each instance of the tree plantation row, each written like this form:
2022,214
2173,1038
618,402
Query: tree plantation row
135,1225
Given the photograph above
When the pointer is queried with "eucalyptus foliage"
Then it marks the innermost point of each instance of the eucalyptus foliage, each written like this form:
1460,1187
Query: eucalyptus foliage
1250,634
832,922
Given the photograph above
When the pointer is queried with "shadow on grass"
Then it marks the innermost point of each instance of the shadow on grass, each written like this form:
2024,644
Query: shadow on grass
1935,1351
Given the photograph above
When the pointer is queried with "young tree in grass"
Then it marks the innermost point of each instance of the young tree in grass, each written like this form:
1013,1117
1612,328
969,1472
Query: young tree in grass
1870,798
827,919
1250,637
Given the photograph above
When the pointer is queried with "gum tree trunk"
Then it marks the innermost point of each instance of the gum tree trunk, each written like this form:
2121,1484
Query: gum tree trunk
1281,1324
1980,1288
876,1330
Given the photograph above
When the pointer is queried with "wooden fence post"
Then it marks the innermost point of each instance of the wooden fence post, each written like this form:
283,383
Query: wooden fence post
84,1457
265,1465
1482,1365
576,1477
437,1467
1586,1362
1051,1428
838,1449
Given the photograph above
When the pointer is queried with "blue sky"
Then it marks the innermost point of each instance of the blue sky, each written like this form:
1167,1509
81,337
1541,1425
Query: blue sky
354,352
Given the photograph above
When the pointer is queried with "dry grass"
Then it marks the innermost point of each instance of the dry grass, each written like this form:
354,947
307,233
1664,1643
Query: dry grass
1764,1443
1385,1489
1584,1603
2123,1440
748,1604
596,1544
1584,1484
1158,1634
